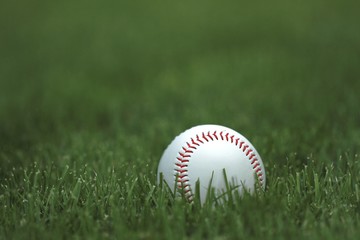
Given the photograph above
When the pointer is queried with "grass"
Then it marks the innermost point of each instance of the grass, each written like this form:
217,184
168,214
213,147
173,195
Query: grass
91,94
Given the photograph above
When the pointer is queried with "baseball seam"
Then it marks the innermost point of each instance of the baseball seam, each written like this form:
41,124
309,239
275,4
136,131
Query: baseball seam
184,156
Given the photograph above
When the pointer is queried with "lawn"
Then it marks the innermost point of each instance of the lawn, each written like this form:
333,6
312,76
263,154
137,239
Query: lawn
92,93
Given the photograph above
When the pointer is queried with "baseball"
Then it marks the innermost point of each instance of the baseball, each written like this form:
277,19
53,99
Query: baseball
203,153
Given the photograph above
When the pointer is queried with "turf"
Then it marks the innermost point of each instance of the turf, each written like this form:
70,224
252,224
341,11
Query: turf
92,93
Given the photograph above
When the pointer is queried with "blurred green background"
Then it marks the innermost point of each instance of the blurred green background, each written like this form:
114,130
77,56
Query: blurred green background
285,74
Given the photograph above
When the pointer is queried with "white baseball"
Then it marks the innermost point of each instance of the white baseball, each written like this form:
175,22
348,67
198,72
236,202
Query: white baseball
203,153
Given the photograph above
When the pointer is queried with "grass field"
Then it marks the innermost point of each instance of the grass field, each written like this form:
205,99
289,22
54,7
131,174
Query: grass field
92,93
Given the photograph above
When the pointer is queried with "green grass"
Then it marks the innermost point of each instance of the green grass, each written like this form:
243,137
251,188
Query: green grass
92,93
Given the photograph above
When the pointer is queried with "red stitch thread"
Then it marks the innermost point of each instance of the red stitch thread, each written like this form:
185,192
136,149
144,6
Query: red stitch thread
187,150
248,152
183,155
210,136
190,146
214,134
245,147
203,135
256,165
198,139
193,142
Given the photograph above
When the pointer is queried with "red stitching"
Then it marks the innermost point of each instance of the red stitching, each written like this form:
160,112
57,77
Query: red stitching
256,165
193,142
214,134
203,135
180,165
183,155
198,139
210,136
245,147
187,150
190,146
183,158
248,152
